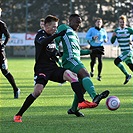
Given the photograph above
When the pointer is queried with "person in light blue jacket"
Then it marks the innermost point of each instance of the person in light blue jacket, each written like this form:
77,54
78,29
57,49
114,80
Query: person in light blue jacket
96,37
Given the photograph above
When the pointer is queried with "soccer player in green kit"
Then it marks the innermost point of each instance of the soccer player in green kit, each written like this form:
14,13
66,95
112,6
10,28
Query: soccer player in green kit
122,34
71,60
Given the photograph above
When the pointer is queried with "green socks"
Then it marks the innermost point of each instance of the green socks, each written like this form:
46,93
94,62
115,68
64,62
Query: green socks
75,103
122,68
89,87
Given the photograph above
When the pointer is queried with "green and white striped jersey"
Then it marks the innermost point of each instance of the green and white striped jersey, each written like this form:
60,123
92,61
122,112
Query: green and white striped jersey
70,42
123,38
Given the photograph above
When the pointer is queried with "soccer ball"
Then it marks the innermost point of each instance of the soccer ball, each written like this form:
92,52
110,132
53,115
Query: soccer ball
113,103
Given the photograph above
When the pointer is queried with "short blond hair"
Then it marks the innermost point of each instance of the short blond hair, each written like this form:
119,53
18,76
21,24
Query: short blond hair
0,10
123,17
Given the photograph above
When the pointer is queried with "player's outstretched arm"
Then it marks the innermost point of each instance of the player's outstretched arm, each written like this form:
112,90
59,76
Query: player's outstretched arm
85,51
113,38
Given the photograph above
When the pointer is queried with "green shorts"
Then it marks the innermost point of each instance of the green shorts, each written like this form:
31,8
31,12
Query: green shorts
127,56
73,65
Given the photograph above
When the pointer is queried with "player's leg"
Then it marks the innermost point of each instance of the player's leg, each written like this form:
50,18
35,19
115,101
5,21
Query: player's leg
60,75
129,60
86,82
118,63
77,67
74,108
29,100
89,87
75,85
40,83
10,78
99,56
92,63
77,88
130,65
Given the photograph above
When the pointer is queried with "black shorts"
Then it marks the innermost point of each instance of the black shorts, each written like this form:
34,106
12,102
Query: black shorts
97,50
51,73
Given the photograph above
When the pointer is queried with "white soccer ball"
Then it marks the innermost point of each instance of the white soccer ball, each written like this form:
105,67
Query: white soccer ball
113,103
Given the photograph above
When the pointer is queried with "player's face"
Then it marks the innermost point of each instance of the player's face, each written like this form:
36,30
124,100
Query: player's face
75,23
42,24
99,23
122,23
51,28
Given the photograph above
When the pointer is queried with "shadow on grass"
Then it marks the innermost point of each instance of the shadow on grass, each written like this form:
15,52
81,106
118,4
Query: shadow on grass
54,119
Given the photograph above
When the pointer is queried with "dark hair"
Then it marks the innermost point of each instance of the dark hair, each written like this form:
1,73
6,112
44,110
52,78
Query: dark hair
73,16
50,18
98,19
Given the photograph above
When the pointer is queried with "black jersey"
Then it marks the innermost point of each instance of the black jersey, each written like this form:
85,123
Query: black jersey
45,50
45,59
4,30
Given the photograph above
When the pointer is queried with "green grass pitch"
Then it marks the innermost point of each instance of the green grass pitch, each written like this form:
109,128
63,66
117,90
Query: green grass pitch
48,114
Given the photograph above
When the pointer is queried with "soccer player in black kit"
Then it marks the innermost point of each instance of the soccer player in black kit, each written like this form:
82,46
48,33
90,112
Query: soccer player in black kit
3,60
46,68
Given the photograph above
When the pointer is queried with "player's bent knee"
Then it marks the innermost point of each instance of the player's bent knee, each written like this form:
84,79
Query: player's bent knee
37,93
70,76
117,61
93,62
38,90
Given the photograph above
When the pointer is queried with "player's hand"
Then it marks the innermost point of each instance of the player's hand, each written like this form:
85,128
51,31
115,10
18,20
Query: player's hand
95,37
114,34
62,33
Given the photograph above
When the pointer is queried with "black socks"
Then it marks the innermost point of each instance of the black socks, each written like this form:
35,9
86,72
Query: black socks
78,91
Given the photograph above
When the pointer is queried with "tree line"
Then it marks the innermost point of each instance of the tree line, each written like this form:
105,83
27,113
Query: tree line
24,15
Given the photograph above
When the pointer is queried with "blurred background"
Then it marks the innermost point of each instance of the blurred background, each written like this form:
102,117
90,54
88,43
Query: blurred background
23,16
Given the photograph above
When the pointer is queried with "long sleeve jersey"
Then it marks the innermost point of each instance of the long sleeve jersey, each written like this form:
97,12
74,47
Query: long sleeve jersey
4,30
45,53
